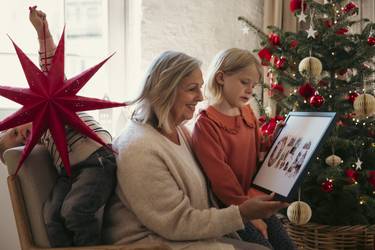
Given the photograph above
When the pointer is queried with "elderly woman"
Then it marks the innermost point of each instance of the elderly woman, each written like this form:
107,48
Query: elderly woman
162,194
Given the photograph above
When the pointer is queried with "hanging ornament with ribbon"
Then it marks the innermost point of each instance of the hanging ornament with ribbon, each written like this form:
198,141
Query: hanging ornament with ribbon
311,32
302,16
299,212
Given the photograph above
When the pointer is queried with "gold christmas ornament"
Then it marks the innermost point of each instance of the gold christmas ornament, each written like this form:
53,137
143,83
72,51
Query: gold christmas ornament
310,67
299,212
333,160
364,105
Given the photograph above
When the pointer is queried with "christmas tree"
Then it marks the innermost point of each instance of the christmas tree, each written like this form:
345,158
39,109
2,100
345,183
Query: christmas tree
326,66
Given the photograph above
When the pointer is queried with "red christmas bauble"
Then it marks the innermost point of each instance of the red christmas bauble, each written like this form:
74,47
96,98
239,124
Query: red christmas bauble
371,178
323,82
342,71
265,56
341,31
352,175
293,44
274,39
262,119
296,5
349,116
351,97
371,41
306,90
349,7
278,87
280,63
340,124
328,23
316,101
268,128
327,186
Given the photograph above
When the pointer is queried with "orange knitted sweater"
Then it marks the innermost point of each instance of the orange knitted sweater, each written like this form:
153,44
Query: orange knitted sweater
227,148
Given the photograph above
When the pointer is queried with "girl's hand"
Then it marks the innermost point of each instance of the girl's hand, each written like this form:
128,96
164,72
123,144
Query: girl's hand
261,226
37,19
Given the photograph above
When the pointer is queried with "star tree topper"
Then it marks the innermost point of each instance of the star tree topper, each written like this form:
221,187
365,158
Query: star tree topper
51,102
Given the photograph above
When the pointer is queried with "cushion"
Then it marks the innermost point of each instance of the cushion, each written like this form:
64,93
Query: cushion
36,177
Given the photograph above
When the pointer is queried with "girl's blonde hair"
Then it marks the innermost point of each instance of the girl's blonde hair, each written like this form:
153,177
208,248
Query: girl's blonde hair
159,91
229,61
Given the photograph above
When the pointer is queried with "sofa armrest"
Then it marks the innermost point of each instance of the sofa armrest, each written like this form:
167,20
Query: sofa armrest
36,179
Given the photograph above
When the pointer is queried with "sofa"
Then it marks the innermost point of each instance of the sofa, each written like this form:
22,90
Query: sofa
28,191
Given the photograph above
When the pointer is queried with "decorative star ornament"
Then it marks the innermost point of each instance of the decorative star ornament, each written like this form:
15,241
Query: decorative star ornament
302,17
245,30
51,102
358,164
311,32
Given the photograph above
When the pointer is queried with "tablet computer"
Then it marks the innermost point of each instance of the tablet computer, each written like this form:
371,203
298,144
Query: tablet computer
292,152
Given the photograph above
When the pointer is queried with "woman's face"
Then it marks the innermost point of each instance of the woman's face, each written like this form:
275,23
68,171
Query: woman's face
17,136
188,95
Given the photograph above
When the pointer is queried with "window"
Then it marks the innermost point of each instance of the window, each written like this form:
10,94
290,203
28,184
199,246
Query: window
88,40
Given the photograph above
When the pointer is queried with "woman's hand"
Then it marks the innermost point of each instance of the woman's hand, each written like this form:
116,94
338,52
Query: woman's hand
260,207
261,226
37,19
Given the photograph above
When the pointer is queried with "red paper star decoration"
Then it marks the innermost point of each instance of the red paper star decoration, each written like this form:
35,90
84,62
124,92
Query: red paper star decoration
51,102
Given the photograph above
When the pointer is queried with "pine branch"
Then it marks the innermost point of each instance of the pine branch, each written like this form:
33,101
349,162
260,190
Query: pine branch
253,26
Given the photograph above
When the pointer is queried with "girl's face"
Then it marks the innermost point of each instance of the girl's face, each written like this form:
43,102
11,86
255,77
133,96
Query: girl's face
188,95
237,88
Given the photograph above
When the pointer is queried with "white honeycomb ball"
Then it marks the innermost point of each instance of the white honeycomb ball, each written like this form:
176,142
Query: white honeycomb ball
333,160
310,67
299,212
364,105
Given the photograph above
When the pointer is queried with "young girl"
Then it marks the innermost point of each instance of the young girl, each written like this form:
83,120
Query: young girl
226,141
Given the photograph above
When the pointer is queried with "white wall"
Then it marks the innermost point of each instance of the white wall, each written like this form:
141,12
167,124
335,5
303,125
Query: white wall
198,28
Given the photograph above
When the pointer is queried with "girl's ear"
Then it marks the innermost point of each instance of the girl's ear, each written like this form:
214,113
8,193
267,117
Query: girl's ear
220,77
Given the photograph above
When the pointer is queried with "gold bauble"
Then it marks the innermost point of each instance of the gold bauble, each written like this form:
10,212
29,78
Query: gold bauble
299,212
310,67
333,160
364,105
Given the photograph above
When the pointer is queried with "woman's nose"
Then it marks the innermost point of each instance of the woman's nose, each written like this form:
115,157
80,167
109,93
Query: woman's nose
200,95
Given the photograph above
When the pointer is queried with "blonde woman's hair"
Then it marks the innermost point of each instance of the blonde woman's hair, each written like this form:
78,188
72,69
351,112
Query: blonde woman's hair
159,91
229,61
